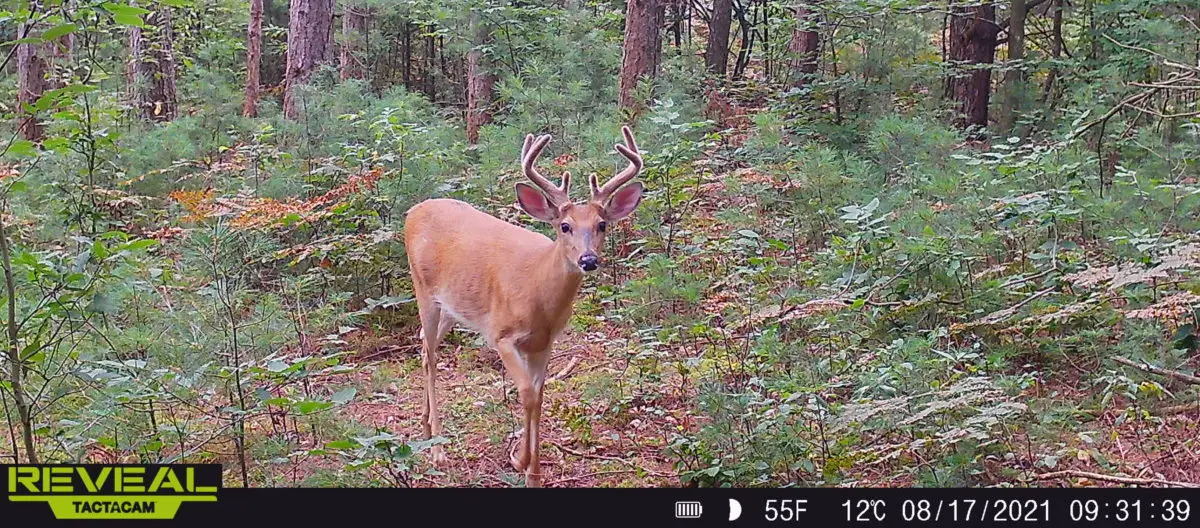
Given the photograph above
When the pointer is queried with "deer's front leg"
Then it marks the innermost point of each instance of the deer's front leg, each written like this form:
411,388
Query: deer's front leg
529,373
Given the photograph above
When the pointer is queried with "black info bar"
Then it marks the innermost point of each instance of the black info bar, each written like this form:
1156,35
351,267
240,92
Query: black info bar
192,495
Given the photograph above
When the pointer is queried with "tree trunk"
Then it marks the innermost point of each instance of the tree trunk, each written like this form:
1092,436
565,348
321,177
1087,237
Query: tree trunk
310,42
253,58
973,32
16,368
354,34
480,80
716,53
746,29
676,8
406,68
804,47
59,53
1014,77
152,73
31,83
642,48
1056,45
430,61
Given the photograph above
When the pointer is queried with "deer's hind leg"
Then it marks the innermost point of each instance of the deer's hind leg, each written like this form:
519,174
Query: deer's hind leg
434,326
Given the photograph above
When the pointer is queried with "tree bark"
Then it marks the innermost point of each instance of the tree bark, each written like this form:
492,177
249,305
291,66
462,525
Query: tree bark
253,58
481,82
406,69
1014,77
31,83
973,33
430,62
676,8
804,47
354,35
642,48
716,53
152,72
310,43
1056,44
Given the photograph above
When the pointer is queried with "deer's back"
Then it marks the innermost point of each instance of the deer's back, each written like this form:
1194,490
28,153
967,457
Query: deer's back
468,260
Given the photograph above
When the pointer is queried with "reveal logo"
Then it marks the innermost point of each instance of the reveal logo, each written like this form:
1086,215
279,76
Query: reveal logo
113,491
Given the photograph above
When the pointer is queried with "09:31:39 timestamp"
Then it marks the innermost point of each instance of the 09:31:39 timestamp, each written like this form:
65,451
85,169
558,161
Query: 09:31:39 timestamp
1130,510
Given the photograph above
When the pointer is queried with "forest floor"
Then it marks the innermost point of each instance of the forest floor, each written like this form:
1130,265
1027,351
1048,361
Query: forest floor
481,416
584,446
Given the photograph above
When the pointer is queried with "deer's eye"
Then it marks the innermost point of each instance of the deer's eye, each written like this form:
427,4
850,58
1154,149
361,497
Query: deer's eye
601,226
566,228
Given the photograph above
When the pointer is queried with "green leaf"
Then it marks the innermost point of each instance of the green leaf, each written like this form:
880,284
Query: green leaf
341,444
402,452
18,186
123,19
309,406
22,147
26,40
43,103
124,9
71,89
344,395
59,30
139,244
31,349
56,144
99,251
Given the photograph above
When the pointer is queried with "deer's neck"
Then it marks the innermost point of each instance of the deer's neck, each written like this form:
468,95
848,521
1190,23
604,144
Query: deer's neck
561,278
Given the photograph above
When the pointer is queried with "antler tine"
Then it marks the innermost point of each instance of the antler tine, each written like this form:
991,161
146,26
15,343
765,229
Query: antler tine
529,154
630,151
525,147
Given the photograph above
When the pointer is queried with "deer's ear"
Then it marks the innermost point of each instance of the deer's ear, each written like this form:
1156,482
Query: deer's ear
535,203
624,201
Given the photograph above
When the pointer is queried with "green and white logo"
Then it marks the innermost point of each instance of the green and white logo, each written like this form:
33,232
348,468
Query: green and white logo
113,491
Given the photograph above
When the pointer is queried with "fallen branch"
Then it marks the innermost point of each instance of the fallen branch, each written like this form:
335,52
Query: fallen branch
1014,282
1181,376
1113,478
567,369
610,458
1182,408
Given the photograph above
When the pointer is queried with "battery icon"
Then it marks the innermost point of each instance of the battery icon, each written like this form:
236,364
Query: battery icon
688,510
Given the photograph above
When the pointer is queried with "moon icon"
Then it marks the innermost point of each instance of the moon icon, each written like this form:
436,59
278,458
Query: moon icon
735,509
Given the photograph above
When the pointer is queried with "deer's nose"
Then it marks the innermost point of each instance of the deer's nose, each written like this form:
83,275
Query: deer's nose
589,262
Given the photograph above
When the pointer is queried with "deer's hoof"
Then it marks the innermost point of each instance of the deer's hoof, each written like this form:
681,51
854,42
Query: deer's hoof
533,480
518,460
438,456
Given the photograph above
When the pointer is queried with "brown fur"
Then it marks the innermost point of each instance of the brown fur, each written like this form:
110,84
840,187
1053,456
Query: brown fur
514,286
479,268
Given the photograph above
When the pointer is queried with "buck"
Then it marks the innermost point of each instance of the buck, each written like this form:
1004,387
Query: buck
514,286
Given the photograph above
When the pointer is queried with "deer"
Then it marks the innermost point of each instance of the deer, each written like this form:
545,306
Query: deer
514,286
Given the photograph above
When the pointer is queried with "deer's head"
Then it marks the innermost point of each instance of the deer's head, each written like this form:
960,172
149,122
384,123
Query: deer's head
580,227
